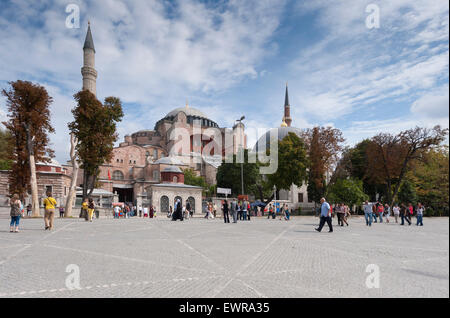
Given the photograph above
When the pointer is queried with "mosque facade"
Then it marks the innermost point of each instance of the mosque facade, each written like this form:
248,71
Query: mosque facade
146,161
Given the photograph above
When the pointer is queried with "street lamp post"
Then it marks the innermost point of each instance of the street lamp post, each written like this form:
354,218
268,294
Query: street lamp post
275,196
242,149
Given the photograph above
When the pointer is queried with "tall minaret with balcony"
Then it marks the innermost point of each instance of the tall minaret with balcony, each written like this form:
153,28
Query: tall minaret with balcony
88,70
287,109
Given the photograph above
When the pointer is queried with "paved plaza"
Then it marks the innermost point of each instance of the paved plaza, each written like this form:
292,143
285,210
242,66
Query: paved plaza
207,258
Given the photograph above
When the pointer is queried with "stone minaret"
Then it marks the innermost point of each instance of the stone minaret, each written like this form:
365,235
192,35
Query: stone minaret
88,70
287,109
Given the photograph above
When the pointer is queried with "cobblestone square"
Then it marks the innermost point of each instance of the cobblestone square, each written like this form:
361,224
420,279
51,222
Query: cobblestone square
207,258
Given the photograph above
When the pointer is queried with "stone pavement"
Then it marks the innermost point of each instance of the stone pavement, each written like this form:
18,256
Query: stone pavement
206,258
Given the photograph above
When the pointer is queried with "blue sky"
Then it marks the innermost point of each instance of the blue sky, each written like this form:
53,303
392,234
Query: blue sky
230,58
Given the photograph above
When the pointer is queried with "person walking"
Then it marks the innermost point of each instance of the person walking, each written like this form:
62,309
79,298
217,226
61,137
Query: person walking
325,216
374,212
84,209
178,213
380,211
367,213
61,212
214,209
244,210
186,212
410,209
396,211
288,213
29,209
152,212
269,214
91,208
116,211
226,216
419,214
345,213
404,214
387,212
339,212
233,208
188,208
15,213
49,215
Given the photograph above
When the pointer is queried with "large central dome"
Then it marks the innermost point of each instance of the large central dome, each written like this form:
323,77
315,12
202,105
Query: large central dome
192,115
189,111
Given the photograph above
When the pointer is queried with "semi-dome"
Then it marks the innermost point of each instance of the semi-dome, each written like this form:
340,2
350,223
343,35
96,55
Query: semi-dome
279,133
169,161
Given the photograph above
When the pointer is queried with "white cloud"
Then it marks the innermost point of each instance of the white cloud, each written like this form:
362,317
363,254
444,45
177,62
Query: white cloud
152,54
433,106
352,67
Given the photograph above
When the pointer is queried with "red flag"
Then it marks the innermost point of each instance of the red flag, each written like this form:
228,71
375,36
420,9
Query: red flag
109,175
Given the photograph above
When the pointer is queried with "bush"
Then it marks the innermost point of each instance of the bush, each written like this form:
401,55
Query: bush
429,212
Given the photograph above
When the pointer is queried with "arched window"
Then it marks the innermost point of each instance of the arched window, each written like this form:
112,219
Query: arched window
175,179
156,175
117,175
155,154
176,199
191,201
164,204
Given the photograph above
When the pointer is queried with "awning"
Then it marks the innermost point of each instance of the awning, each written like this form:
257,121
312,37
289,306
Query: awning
123,186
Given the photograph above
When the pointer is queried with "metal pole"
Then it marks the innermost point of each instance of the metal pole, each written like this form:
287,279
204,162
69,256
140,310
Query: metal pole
242,178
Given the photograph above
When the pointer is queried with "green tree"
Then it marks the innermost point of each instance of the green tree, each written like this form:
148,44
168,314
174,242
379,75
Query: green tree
6,149
191,178
354,164
430,177
324,147
348,191
292,163
390,157
229,176
407,193
94,126
29,123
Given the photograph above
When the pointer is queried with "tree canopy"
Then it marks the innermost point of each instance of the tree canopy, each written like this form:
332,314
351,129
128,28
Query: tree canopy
348,191
292,163
95,127
390,156
6,149
29,124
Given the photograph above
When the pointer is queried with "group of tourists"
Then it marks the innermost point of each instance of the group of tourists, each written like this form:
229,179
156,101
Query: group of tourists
284,212
87,209
377,211
127,211
181,212
240,210
17,211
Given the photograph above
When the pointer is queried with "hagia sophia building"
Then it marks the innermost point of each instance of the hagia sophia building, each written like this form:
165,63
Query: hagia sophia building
148,158
147,166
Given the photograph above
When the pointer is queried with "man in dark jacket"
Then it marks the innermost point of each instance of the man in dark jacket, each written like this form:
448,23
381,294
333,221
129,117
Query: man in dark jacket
226,216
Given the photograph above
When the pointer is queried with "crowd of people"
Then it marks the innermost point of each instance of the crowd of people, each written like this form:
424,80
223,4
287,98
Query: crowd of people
237,210
375,212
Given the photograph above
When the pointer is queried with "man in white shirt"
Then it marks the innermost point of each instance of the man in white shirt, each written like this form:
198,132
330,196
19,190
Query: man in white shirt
420,209
325,216
116,212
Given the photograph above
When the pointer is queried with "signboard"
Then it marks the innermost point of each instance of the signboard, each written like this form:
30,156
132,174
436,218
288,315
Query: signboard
225,191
